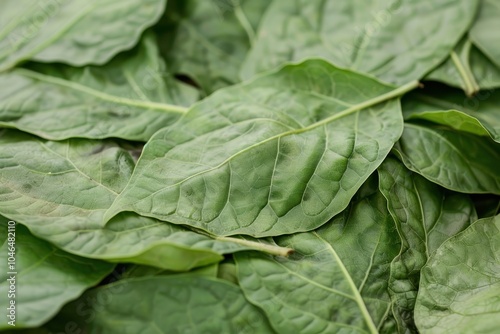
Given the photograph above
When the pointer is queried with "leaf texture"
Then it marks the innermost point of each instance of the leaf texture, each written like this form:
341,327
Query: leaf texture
78,32
130,98
336,281
455,160
425,215
61,190
396,41
460,284
46,277
280,154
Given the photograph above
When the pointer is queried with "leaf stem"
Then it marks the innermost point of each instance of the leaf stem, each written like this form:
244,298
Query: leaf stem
242,18
266,248
103,96
471,86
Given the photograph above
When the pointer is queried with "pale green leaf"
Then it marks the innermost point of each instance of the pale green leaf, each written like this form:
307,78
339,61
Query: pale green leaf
175,304
77,32
425,215
484,33
280,154
455,160
45,277
208,40
131,98
336,281
61,190
396,41
479,115
460,285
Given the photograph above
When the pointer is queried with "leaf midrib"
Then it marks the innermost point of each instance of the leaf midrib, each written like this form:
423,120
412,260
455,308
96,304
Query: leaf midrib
100,95
357,296
346,112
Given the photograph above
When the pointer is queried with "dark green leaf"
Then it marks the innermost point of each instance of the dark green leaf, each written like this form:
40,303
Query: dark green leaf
425,215
479,115
208,40
455,160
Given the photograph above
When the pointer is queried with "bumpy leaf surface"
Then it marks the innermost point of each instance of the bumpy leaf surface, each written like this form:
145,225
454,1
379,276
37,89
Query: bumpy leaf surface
425,215
77,32
61,190
280,154
336,281
396,41
460,284
131,97
177,304
46,277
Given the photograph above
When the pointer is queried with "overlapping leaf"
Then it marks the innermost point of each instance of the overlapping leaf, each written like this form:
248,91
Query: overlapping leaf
280,154
208,40
46,277
396,41
77,32
478,115
61,190
131,98
467,68
460,284
484,33
425,215
336,282
178,304
455,160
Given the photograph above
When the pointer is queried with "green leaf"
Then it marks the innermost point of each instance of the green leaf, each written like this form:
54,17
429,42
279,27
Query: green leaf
467,68
178,304
208,40
425,215
280,154
130,98
455,160
395,41
460,284
60,191
77,32
484,33
477,115
137,270
46,278
336,281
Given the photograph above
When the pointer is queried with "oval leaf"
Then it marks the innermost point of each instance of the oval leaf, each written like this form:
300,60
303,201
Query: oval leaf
396,41
60,190
425,215
178,304
280,154
460,284
336,281
478,115
455,160
77,32
130,98
46,279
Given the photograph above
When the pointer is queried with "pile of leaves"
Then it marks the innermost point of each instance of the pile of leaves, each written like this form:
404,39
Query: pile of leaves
252,166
